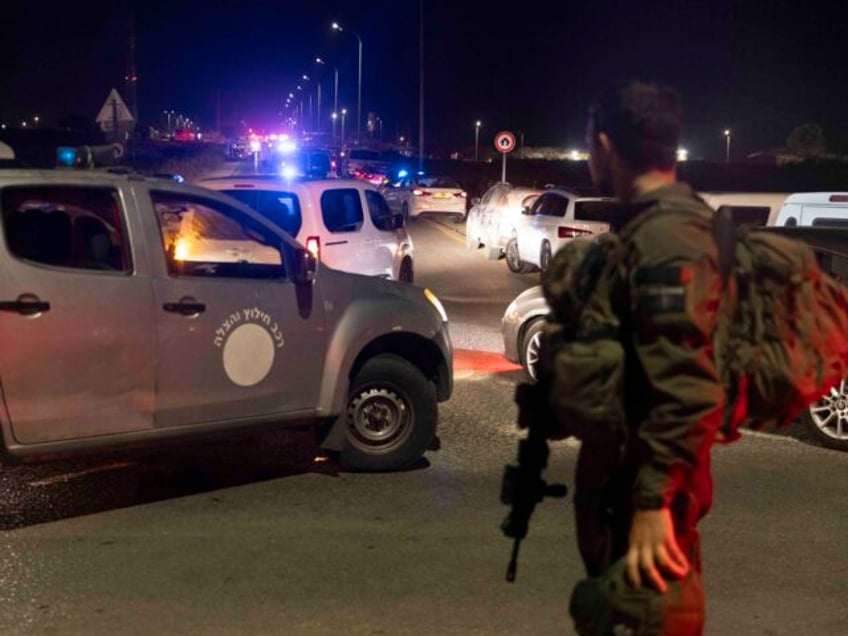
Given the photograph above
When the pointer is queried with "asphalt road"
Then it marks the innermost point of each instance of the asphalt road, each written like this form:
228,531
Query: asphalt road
254,536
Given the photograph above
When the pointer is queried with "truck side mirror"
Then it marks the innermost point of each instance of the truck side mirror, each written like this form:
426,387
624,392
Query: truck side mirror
305,266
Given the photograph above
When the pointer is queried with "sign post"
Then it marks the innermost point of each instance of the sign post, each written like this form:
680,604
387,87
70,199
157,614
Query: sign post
504,144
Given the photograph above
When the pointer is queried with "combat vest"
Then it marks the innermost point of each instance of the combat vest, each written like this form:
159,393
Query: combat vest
581,356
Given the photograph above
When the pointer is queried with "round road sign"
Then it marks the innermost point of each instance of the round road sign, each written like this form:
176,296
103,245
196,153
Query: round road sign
505,141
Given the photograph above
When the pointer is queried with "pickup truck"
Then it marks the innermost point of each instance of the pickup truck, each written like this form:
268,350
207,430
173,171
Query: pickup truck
139,310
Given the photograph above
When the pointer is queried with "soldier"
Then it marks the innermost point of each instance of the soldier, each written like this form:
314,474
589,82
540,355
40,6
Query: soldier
641,490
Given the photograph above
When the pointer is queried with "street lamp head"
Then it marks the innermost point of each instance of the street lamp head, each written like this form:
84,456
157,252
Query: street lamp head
344,111
334,115
727,132
336,27
478,123
305,77
318,60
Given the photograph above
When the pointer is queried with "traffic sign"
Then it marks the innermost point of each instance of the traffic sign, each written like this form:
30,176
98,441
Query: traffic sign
505,141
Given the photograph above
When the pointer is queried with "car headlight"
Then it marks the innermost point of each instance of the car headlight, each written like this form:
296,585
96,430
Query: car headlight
436,303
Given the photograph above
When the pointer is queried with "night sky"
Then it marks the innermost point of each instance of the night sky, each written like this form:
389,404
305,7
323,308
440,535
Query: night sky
758,68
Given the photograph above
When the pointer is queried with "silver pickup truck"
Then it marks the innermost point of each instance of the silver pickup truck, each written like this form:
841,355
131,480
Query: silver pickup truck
137,310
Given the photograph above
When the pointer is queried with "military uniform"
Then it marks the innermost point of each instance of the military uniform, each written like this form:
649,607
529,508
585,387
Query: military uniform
663,286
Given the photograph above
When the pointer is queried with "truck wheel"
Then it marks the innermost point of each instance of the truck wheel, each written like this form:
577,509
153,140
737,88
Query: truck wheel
391,416
828,418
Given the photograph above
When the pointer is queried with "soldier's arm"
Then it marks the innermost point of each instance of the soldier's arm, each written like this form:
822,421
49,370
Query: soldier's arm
674,288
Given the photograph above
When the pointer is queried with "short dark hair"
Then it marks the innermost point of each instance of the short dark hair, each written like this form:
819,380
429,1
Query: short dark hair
643,120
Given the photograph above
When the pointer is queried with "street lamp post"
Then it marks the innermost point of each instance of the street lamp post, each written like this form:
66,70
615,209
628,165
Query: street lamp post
477,125
727,151
334,116
344,112
337,27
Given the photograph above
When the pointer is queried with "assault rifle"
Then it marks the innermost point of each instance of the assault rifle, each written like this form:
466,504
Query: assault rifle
522,486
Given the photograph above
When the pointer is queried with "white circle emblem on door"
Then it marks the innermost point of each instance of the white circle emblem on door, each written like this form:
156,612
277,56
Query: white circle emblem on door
248,354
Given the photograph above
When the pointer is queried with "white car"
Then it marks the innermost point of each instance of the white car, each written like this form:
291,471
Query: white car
749,208
344,222
556,217
417,195
494,217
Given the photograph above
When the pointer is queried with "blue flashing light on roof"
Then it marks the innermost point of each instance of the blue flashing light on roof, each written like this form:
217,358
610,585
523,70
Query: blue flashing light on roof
402,174
66,156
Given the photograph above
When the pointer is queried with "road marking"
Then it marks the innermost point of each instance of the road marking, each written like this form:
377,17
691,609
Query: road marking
454,234
66,477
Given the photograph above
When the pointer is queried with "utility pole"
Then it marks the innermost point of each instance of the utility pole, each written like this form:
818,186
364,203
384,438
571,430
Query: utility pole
421,85
131,78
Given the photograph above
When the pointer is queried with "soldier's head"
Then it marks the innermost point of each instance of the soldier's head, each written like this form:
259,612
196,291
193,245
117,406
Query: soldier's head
633,130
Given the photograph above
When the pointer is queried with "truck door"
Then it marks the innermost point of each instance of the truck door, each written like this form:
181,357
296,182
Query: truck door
236,338
77,354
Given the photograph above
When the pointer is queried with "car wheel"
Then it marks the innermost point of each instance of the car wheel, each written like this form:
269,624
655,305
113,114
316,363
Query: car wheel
513,259
545,256
391,416
404,210
406,273
828,418
531,338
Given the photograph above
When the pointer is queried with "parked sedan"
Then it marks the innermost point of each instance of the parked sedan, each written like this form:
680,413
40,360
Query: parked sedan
493,219
522,328
557,216
418,195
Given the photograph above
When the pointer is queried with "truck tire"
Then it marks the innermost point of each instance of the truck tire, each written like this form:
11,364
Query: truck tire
390,418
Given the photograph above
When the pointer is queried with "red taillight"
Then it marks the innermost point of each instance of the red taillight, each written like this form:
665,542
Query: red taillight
460,194
244,185
313,245
564,232
838,198
418,192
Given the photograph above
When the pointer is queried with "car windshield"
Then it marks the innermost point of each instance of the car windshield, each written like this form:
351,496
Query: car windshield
438,182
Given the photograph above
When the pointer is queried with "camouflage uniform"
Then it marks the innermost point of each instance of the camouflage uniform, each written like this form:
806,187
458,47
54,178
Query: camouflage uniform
664,289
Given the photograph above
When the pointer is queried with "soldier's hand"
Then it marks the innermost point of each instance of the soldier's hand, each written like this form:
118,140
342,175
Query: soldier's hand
653,550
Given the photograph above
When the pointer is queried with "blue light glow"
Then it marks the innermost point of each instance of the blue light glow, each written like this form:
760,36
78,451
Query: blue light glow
66,156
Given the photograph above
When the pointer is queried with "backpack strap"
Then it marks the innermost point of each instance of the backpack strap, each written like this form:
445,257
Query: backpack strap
724,231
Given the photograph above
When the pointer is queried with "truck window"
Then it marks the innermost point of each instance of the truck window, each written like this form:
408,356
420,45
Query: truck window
66,226
202,237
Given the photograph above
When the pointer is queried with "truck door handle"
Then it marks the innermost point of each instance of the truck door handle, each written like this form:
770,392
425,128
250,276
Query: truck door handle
25,307
185,308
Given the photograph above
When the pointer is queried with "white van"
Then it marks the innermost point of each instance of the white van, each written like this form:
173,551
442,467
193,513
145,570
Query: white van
345,223
815,208
749,208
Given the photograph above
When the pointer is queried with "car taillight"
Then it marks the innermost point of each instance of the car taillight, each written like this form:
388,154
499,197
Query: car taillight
418,192
571,232
313,245
460,194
